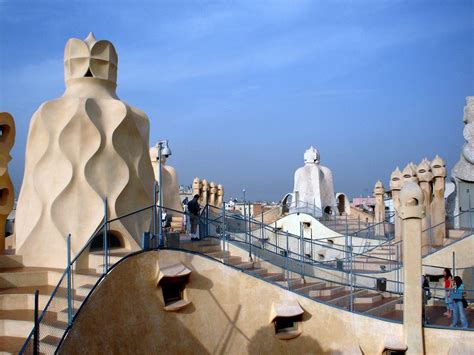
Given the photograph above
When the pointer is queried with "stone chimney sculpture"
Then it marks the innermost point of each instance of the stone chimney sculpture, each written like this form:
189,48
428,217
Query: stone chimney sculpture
7,194
438,205
203,200
463,172
379,192
425,177
212,194
314,184
170,185
83,148
196,187
396,183
409,174
220,196
412,211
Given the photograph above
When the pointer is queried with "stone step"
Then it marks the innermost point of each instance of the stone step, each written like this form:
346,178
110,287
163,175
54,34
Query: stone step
385,308
83,277
25,277
258,271
97,259
232,260
273,277
327,291
368,298
18,323
306,287
209,248
100,268
24,298
62,315
208,241
342,299
84,290
11,345
221,254
11,261
49,344
247,265
291,283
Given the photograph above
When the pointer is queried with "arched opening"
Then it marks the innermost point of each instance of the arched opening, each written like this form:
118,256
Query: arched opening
286,203
328,210
4,132
114,241
341,204
4,194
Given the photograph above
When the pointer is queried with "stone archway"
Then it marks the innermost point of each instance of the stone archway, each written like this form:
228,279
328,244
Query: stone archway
114,241
342,202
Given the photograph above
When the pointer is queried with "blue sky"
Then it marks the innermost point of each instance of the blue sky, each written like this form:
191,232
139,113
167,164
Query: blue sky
242,88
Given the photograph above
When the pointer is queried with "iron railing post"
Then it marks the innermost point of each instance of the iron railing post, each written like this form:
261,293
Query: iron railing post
223,226
311,247
207,221
160,200
302,249
245,222
287,261
154,213
276,239
351,275
69,282
106,242
250,234
36,331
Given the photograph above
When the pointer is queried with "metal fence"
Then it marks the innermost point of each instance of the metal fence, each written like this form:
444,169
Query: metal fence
295,255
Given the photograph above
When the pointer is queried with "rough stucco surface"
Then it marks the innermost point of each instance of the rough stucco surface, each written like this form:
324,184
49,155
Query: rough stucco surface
229,314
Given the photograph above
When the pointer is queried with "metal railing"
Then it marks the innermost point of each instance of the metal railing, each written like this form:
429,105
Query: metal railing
293,253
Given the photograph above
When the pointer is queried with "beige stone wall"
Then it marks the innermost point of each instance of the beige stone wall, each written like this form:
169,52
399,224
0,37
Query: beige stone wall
229,314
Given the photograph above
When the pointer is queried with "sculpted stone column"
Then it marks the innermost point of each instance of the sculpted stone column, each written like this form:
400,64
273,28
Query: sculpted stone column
220,195
204,193
409,174
313,185
438,206
379,208
463,172
412,211
7,194
425,178
82,148
170,183
212,194
196,186
396,182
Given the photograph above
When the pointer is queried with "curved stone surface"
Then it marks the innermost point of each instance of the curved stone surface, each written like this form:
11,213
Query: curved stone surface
82,148
464,169
7,193
314,184
170,183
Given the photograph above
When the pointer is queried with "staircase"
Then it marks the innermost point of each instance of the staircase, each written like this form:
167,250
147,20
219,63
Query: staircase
17,289
364,301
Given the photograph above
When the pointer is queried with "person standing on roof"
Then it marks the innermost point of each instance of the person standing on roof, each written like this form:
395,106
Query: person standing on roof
194,209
